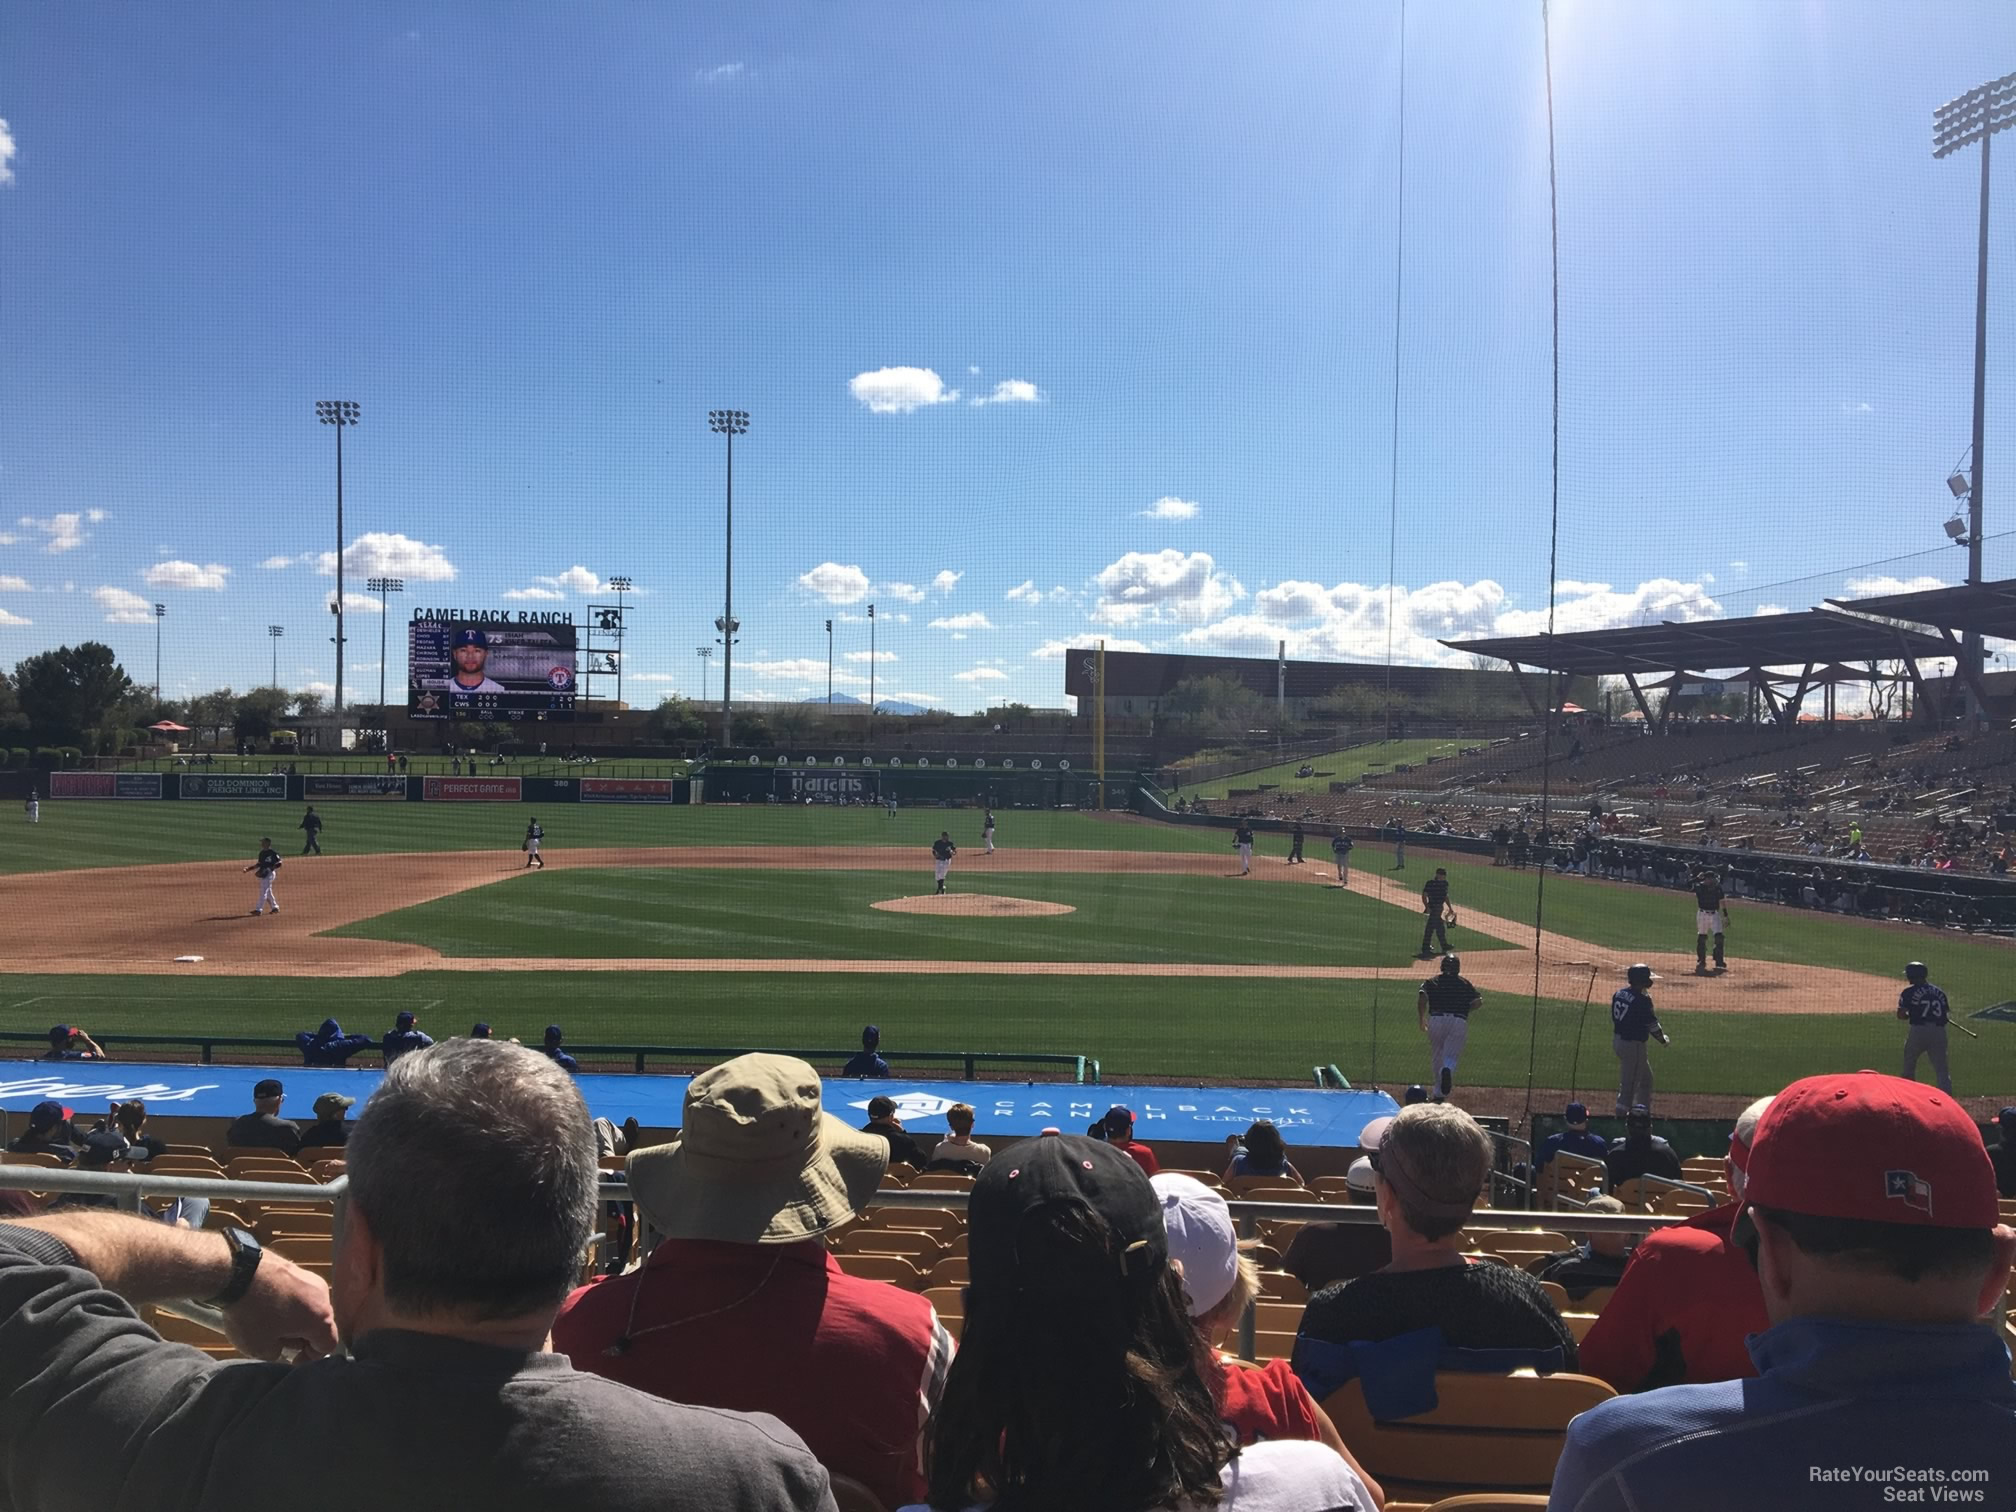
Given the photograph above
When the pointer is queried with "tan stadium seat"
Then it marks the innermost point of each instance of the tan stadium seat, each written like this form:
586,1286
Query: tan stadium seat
1271,1344
179,1330
953,1270
925,1250
894,1269
1595,1299
190,1149
1328,1187
1280,1286
1277,1317
273,1225
34,1158
1579,1324
900,1173
942,1181
943,1222
1487,1501
949,1301
1557,1294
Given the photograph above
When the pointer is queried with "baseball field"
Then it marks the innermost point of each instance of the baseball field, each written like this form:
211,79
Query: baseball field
1114,937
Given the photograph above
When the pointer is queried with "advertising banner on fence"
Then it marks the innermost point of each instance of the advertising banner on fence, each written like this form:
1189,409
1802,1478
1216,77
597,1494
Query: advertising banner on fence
353,785
799,786
271,786
469,789
104,784
626,789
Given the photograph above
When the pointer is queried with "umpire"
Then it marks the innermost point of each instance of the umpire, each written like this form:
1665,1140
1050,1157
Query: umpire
1435,911
1924,1007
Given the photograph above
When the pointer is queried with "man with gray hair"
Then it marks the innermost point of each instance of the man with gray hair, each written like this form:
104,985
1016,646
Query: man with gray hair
473,1183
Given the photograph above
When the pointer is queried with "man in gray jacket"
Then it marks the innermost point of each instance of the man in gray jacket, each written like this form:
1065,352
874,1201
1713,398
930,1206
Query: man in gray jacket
473,1186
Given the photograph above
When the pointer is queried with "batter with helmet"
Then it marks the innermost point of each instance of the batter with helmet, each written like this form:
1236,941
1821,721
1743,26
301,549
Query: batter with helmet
1444,1005
1632,1024
1924,1007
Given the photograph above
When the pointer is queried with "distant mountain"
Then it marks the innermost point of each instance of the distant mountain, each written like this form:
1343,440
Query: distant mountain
886,705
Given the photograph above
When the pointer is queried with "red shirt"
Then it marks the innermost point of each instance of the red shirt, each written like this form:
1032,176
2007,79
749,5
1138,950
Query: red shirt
1141,1155
1681,1313
853,1367
1264,1402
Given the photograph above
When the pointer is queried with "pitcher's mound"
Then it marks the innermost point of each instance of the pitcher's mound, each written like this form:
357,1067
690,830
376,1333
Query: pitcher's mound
968,905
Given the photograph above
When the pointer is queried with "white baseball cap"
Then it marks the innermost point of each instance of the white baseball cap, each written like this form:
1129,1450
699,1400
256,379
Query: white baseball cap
1360,1176
1201,1238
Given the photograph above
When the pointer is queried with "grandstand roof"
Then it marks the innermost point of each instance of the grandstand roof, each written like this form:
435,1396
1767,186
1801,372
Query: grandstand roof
1765,640
1989,608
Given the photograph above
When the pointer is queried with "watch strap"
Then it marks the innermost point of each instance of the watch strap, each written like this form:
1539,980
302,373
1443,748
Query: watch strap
245,1256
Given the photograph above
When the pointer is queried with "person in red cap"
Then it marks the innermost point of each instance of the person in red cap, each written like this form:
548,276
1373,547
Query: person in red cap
1870,1209
1689,1297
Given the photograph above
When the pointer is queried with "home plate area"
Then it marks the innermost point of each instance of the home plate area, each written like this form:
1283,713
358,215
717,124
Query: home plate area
974,905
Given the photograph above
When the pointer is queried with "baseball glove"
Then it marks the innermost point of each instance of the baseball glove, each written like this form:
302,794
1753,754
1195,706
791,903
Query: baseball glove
1449,915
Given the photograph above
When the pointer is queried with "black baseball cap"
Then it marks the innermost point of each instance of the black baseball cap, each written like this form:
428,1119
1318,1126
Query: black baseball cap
268,1088
59,1034
481,1031
553,1034
405,1020
1119,1117
46,1115
1008,1244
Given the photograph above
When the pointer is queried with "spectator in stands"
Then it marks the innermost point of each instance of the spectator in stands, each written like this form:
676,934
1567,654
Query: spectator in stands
1080,1380
1871,1215
1641,1152
1521,844
403,1038
131,1117
869,1062
883,1123
263,1128
473,1189
49,1132
72,1044
1576,1138
1597,1261
959,1149
330,1046
1432,1162
1322,1254
552,1051
331,1129
742,1305
1119,1123
1414,1094
1689,1297
1263,1153
108,1142
2004,1154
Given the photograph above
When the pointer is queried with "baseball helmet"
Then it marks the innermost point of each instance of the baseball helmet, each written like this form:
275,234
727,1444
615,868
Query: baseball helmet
1915,971
1415,1094
1451,964
471,637
1639,975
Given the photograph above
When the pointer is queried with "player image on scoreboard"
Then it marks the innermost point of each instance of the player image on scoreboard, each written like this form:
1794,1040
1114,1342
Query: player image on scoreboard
468,669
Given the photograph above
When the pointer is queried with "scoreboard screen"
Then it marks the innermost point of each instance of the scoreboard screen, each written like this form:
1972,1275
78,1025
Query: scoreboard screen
490,668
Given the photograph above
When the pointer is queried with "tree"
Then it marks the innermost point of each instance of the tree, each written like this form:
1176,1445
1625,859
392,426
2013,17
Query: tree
70,690
1223,704
255,714
676,719
308,704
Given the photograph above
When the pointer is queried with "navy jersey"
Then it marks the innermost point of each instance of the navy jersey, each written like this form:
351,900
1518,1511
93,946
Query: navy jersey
943,849
1450,994
990,822
1922,1003
1434,893
533,832
1342,844
1708,895
1242,836
1631,1015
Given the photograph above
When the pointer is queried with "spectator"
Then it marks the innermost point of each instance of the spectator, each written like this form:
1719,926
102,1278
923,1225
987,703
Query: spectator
479,1030
331,1130
263,1128
473,1190
49,1132
1414,1094
131,1117
108,1141
1597,1261
2004,1154
759,1176
1322,1254
1576,1138
552,1051
1642,1153
1870,1210
882,1121
960,1148
403,1038
1265,1153
70,1044
1689,1297
1080,1379
1119,1124
330,1046
869,1062
1431,1162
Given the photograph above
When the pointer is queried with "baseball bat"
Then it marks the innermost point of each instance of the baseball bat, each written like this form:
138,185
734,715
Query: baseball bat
1966,1031
1575,1067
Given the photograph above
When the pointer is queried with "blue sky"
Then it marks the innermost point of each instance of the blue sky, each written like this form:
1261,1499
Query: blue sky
538,244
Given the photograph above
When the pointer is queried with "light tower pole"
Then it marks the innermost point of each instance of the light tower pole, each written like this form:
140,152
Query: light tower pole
383,587
341,413
706,654
274,632
619,585
871,666
160,613
728,423
829,665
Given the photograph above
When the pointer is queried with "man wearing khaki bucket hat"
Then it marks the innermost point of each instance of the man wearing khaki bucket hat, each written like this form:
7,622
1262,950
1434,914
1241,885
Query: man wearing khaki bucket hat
742,1305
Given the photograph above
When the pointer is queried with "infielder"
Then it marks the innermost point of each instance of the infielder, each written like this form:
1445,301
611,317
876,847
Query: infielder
1632,1023
1711,917
267,864
987,832
1436,913
942,852
1924,1007
533,835
1444,1006
1242,837
34,807
1399,845
1340,850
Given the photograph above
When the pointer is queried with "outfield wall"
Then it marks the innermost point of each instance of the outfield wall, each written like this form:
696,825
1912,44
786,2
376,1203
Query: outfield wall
339,787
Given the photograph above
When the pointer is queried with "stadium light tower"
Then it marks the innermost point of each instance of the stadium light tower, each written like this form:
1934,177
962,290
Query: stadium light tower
728,423
619,585
706,654
871,666
1975,117
274,632
160,613
341,413
383,587
829,664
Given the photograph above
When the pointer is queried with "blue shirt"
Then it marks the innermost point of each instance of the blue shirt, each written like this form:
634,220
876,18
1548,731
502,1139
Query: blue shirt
398,1042
1923,1003
561,1058
1833,1397
1574,1141
867,1063
1631,1015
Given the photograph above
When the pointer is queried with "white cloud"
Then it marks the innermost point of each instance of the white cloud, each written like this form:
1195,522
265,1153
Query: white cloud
1882,587
862,656
980,674
379,554
13,619
65,531
1598,606
835,584
7,539
1056,650
355,603
946,581
577,579
721,73
1739,566
1025,592
1011,391
7,168
973,620
973,371
1171,508
187,575
801,669
903,593
277,563
652,677
14,585
1857,407
123,608
899,390
1164,586
546,595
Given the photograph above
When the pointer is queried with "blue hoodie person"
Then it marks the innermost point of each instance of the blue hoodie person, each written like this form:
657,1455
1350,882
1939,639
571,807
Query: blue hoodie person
330,1046
869,1062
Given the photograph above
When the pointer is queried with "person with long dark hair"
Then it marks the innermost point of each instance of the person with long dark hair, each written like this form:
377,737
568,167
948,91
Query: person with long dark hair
1080,1381
1263,1152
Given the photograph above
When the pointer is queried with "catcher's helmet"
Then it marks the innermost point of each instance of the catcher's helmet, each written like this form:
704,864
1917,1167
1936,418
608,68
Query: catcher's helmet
1451,964
1639,975
1915,971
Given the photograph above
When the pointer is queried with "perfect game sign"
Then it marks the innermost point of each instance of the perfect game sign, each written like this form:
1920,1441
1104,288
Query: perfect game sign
490,664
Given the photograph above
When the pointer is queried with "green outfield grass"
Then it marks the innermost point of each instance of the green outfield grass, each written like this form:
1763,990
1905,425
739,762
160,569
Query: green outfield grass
1339,766
826,915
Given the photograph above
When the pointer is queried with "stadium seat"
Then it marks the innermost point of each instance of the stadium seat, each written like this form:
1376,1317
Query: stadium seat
894,1269
924,1249
189,1149
953,1270
1579,1323
1557,1294
849,1495
1488,1501
1277,1317
950,1301
179,1330
1486,1432
185,1165
285,1223
1280,1286
942,1181
943,1222
1596,1299
900,1173
1328,1187
34,1158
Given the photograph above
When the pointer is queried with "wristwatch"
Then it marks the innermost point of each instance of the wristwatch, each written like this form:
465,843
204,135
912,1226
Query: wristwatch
245,1253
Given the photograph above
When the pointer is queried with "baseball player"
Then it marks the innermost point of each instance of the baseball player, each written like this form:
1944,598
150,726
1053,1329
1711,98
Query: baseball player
1243,838
470,649
1632,1023
34,807
1924,1007
533,835
311,827
891,803
1340,850
1444,1005
987,832
1711,917
267,864
1399,845
1437,914
1295,845
942,852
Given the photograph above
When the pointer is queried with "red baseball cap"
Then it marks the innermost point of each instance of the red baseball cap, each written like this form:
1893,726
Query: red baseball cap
1872,1147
